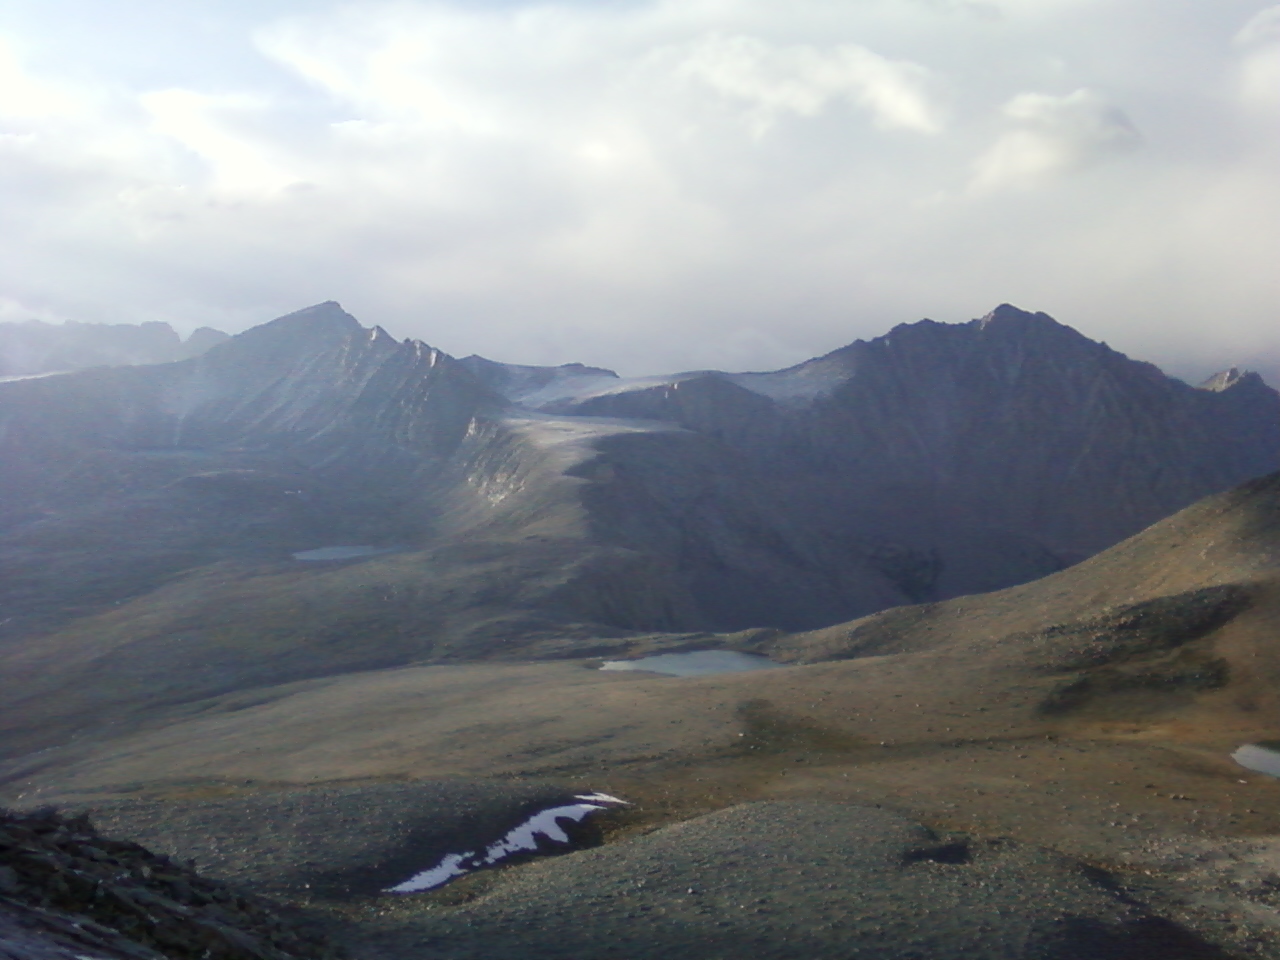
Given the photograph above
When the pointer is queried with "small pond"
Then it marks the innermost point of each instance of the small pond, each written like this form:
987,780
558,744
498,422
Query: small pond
342,553
698,663
1263,757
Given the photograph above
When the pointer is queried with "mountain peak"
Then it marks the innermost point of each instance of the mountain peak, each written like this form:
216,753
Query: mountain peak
1007,315
1225,380
321,325
327,315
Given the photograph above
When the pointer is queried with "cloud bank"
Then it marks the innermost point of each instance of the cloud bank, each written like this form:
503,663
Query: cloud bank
649,185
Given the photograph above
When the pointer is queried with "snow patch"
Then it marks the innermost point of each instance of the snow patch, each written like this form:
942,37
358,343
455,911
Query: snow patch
577,389
454,865
549,430
806,382
33,376
521,839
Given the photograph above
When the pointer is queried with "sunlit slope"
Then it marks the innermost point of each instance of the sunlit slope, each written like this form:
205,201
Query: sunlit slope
1211,564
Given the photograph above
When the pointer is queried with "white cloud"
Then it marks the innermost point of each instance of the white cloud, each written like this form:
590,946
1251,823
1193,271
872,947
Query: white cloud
1053,136
389,66
237,161
1259,71
25,96
804,80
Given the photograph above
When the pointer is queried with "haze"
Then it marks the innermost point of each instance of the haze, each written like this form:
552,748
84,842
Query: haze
650,185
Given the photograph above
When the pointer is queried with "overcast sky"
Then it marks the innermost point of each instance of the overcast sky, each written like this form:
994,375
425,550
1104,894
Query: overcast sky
650,186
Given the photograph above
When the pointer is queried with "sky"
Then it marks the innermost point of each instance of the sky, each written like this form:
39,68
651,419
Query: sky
650,186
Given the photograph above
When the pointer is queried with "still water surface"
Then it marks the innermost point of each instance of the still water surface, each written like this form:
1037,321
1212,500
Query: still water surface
699,663
1263,757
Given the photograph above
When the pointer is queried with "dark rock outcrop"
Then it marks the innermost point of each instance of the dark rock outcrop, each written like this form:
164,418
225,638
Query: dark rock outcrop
67,891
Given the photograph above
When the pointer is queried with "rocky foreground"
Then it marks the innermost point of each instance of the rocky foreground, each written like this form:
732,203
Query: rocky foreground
67,892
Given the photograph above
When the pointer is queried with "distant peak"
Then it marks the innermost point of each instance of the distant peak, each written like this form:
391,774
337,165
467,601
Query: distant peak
324,323
1007,314
206,333
1005,322
1226,379
324,318
329,313
202,340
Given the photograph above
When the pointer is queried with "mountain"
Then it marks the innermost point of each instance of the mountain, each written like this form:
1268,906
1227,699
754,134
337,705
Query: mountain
1012,427
158,523
935,461
35,348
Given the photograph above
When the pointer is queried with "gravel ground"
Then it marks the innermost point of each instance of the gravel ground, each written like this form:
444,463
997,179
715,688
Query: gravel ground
332,842
775,881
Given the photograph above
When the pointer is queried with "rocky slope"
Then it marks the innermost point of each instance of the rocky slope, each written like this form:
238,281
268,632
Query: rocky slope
790,880
963,457
66,892
806,879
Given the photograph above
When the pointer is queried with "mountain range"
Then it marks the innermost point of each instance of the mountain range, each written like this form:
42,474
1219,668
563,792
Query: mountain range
935,461
36,348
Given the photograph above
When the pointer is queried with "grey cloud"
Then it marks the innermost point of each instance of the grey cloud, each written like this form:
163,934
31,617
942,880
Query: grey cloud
1262,27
